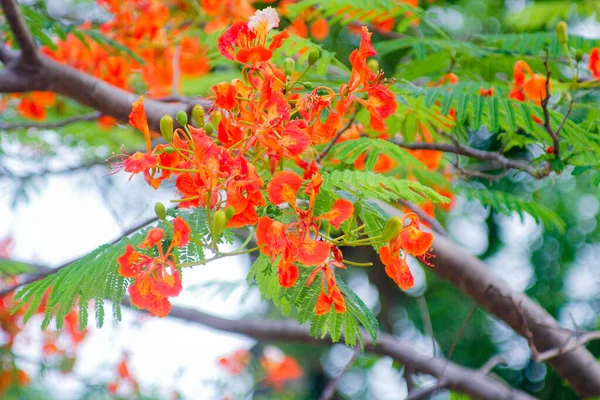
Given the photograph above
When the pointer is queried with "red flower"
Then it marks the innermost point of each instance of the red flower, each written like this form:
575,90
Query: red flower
330,292
236,362
594,63
279,368
246,42
380,101
412,241
531,88
155,278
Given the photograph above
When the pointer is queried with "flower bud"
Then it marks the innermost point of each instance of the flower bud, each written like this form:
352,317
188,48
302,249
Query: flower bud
562,33
166,127
219,222
373,65
198,115
169,149
288,66
229,212
579,55
313,56
182,118
209,129
392,229
160,210
308,85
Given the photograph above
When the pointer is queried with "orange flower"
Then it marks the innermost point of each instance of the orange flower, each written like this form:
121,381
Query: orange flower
486,92
237,362
594,63
530,88
155,278
279,368
412,241
380,101
330,292
250,38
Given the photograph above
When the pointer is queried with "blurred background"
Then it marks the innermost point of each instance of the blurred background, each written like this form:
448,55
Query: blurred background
58,200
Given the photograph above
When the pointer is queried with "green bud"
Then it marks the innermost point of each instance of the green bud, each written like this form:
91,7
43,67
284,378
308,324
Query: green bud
209,129
288,66
392,229
308,85
182,118
562,33
373,65
166,127
198,115
219,222
229,211
169,149
579,55
160,210
313,56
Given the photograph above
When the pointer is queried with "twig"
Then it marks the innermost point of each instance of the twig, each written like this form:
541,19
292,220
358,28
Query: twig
435,225
29,51
336,137
574,343
329,390
424,311
52,125
491,364
506,163
545,100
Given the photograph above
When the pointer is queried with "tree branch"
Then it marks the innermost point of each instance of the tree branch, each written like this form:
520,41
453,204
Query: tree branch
458,378
52,125
476,153
29,51
578,366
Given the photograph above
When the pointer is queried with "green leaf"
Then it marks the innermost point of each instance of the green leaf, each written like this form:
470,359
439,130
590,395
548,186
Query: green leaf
506,203
376,186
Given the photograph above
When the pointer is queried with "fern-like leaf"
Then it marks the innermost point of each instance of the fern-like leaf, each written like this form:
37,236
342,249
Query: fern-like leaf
376,186
506,203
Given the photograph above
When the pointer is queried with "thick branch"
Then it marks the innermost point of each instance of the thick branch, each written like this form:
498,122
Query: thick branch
458,378
29,52
525,316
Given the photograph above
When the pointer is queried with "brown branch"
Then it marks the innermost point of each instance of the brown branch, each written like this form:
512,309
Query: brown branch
578,366
554,134
526,317
458,378
504,162
443,383
29,51
52,125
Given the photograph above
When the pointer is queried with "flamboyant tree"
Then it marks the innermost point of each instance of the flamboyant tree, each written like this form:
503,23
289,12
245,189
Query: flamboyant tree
325,140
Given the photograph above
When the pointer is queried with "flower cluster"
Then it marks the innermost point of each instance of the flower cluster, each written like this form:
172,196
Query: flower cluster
155,278
256,148
294,242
